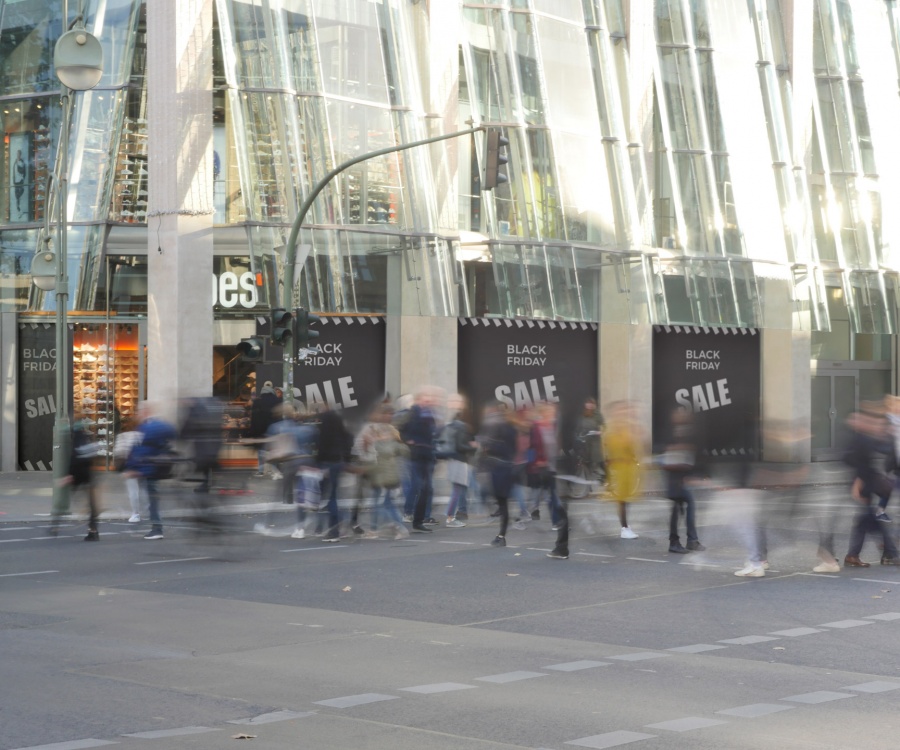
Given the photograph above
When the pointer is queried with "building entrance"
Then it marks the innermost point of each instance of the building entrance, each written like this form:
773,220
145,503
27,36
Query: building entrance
835,395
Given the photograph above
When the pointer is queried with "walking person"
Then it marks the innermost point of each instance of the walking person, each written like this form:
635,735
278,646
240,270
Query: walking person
498,442
125,442
622,447
334,449
463,448
680,462
81,474
383,442
146,461
419,433
262,415
867,439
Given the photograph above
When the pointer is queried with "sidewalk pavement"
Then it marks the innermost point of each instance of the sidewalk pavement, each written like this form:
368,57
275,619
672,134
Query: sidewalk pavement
27,495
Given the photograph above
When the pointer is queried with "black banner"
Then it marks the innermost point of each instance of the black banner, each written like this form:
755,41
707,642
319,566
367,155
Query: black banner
714,372
522,362
37,393
346,370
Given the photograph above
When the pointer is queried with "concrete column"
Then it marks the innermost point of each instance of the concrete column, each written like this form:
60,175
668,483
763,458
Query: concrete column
9,353
180,219
786,384
626,367
420,351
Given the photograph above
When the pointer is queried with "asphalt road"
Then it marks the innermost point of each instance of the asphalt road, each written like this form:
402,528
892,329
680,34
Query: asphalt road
442,641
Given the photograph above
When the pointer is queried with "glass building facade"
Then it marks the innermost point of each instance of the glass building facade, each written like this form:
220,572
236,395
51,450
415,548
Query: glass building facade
670,161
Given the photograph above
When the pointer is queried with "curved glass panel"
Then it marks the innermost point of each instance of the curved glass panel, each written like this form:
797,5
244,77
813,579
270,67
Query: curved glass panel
17,248
28,32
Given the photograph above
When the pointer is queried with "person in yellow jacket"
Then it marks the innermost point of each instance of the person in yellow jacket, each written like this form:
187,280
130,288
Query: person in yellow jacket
622,448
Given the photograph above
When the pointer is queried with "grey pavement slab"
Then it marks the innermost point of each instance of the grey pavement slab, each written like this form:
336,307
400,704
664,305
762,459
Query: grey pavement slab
639,656
819,696
610,739
844,624
349,701
876,686
696,648
575,666
746,640
687,724
796,632
885,616
502,679
755,710
438,687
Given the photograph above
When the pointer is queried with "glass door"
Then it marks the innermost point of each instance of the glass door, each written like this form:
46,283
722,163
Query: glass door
835,395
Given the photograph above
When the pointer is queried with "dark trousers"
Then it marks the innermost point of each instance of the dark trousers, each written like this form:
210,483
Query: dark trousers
685,502
562,533
421,473
866,523
332,477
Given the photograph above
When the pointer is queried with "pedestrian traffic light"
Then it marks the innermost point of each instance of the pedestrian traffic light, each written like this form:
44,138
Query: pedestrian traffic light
280,330
303,334
251,349
495,159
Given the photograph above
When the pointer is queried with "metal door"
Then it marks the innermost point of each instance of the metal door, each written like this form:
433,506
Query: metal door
834,396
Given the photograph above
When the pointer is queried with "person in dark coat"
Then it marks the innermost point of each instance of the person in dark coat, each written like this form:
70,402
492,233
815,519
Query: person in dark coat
81,474
334,449
419,432
262,416
202,429
498,437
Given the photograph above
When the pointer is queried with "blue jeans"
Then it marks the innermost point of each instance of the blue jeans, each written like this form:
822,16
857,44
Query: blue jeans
687,498
332,476
153,502
457,500
387,507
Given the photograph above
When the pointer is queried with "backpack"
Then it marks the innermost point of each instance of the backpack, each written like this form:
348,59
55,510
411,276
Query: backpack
445,447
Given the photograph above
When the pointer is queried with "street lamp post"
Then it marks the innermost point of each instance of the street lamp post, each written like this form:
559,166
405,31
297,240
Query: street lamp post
78,59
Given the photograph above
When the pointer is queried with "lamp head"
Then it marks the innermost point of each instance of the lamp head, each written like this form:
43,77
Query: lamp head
78,59
43,271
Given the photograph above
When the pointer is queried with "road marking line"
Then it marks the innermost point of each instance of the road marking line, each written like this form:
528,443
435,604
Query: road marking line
502,679
877,580
16,528
687,561
610,739
308,549
843,624
755,710
686,724
748,639
181,731
794,632
5,541
72,745
35,573
646,559
886,616
697,648
878,686
438,687
575,666
348,701
819,696
640,656
273,717
163,562
820,575
443,541
592,554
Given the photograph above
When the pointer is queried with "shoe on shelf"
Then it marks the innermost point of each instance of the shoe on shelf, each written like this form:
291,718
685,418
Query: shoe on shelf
420,529
92,536
627,533
752,570
827,567
890,560
298,534
695,546
499,541
883,517
452,523
678,548
558,554
852,561
154,534
136,518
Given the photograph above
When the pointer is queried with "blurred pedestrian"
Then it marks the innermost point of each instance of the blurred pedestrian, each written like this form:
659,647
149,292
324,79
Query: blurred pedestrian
463,447
80,476
622,448
335,445
498,441
125,442
262,415
202,429
383,442
681,461
419,432
151,460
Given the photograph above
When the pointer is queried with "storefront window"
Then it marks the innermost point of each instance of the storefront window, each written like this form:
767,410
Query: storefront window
17,247
28,32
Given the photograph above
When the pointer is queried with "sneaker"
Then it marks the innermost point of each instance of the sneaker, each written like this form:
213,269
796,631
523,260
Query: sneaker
827,567
430,522
535,515
678,548
452,523
331,538
420,529
558,555
407,517
555,527
627,533
298,534
883,517
154,534
401,532
520,526
499,541
753,570
276,475
695,547
359,530
136,518
92,536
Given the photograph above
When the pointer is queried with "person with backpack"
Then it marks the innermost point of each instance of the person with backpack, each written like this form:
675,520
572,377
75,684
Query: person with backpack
150,461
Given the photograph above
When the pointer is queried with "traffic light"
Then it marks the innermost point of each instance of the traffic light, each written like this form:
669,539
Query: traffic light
495,159
251,349
303,333
280,330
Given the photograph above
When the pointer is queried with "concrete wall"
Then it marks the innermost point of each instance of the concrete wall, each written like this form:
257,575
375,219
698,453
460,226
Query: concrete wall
786,384
9,448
